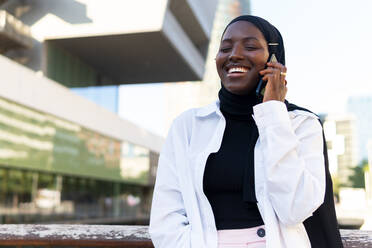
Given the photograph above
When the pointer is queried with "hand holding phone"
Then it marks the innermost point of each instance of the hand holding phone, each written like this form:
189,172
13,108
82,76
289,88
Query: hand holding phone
278,87
260,90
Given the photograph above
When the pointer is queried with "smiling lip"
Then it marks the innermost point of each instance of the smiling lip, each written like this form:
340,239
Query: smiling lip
235,75
236,71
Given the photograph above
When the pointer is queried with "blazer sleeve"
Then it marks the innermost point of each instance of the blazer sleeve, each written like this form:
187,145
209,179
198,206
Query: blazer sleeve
169,225
293,161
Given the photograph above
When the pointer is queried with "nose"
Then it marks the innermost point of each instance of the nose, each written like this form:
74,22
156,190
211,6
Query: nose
236,53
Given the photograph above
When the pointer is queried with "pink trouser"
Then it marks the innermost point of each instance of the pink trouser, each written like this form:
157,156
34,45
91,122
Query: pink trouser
242,238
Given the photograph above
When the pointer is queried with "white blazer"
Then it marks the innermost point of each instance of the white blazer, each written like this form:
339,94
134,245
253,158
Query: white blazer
289,176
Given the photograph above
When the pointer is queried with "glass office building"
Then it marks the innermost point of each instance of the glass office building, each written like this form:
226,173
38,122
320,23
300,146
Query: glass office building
64,158
56,170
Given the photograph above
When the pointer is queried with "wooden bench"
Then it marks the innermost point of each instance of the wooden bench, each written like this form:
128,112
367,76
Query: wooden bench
114,236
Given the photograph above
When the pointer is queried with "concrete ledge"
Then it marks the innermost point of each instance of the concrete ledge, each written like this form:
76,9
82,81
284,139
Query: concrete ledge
114,236
23,86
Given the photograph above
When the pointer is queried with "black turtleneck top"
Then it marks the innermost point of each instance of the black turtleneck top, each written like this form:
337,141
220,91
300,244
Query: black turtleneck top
229,173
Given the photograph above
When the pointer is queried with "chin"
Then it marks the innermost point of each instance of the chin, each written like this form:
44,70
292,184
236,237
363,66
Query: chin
238,89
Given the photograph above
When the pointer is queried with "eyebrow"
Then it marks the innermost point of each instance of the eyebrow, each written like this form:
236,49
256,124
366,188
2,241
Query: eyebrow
244,39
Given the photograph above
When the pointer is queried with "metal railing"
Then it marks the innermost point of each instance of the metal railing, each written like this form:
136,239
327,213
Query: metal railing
113,236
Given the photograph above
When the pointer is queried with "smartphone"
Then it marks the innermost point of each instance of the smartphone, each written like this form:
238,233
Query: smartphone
260,90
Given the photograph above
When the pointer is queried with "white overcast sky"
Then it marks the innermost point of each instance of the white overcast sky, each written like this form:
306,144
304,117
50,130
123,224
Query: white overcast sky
328,53
328,49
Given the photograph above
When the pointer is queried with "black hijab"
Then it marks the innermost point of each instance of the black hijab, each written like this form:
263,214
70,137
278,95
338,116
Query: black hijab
271,34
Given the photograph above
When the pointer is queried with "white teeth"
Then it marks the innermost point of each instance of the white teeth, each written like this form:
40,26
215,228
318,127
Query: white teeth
237,69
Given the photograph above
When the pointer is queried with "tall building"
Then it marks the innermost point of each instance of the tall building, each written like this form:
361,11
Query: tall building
340,134
361,106
368,174
62,152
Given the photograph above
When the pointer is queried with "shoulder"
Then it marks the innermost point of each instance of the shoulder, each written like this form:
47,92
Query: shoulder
186,117
295,110
184,124
303,119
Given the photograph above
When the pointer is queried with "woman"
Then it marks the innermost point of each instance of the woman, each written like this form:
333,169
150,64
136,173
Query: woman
249,170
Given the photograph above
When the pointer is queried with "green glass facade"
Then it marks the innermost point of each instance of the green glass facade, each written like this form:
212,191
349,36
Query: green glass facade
36,141
68,69
56,170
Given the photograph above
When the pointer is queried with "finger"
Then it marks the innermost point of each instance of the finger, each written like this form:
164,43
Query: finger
270,70
277,65
269,77
273,78
282,76
265,78
282,69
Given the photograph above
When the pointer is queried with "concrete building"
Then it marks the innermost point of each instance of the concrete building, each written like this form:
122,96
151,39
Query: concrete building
87,42
368,174
360,107
101,166
340,133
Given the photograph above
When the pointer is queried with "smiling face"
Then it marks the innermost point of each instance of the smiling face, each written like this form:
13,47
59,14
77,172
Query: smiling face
243,53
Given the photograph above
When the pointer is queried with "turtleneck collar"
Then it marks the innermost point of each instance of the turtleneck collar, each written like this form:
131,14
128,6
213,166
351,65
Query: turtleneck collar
236,106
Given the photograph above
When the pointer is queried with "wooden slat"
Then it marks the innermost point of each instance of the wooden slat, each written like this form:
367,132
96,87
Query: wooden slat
75,235
114,236
356,238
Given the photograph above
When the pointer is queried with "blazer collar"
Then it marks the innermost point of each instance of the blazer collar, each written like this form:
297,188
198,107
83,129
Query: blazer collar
209,109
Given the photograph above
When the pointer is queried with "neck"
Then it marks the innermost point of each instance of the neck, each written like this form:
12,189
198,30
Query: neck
237,105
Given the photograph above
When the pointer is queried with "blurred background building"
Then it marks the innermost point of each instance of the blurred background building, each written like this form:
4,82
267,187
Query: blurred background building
340,133
360,107
66,158
350,174
369,174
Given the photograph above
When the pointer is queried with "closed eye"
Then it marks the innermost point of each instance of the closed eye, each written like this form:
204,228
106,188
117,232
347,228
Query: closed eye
250,48
225,49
